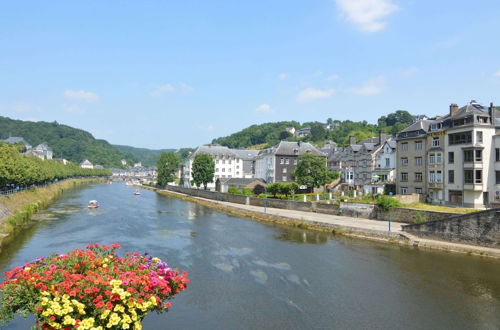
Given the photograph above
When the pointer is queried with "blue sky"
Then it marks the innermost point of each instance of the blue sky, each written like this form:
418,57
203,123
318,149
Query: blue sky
163,74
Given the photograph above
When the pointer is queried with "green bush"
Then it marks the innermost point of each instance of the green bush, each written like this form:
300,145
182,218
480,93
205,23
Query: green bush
386,203
234,190
419,218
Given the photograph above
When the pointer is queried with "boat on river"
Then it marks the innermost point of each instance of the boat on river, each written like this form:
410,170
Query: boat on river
93,204
137,192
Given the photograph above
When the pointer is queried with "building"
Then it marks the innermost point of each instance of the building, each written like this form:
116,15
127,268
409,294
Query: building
228,164
385,168
86,164
411,164
17,140
41,151
303,132
248,159
277,163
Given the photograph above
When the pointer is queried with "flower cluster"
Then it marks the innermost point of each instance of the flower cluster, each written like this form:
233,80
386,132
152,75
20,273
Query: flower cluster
90,289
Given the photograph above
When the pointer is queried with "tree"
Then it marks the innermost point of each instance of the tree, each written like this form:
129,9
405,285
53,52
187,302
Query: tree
289,188
318,132
167,164
311,171
203,170
274,188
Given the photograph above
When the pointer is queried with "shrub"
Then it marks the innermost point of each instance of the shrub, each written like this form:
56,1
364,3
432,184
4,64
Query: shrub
419,218
386,203
259,189
234,190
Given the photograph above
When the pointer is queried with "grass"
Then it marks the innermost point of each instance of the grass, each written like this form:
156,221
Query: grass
439,208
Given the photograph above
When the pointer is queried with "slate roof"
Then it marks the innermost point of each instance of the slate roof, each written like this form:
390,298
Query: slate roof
291,148
86,162
419,125
214,150
43,147
239,181
16,140
246,154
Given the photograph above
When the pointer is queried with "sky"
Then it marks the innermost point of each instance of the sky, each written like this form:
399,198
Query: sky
171,74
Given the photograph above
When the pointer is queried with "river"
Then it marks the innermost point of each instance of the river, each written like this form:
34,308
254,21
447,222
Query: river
249,275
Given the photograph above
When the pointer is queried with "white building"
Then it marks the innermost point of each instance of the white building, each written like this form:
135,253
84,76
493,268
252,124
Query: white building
228,164
86,164
384,170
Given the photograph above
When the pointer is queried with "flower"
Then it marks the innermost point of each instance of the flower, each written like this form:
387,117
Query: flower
91,289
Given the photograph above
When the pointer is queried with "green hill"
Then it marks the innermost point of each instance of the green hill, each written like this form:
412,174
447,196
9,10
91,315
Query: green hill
268,134
66,142
147,157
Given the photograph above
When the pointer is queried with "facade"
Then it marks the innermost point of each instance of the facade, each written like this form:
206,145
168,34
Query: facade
41,151
248,159
385,168
228,164
411,158
277,163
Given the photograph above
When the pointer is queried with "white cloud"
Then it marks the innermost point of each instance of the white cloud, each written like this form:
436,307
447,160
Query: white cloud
185,88
312,94
367,15
370,87
81,96
74,109
497,74
409,72
283,76
333,77
162,90
264,108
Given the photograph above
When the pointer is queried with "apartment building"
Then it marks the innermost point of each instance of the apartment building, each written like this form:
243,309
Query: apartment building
276,164
385,168
435,148
411,158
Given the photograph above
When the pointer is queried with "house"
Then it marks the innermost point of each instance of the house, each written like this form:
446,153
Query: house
17,140
303,132
42,151
223,185
277,163
290,130
248,159
62,160
86,164
385,168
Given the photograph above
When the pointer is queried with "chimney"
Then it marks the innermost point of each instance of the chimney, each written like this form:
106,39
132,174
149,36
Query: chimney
380,136
453,109
492,113
352,140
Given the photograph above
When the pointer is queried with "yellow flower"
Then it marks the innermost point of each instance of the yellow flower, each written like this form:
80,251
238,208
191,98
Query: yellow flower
137,325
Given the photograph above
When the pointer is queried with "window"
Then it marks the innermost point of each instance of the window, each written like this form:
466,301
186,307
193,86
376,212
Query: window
282,161
418,161
284,170
460,138
287,161
451,157
497,154
435,142
451,176
237,173
418,177
229,170
284,178
229,162
404,161
468,176
223,161
387,162
295,162
237,167
439,177
404,177
438,158
497,177
404,146
468,156
418,190
479,155
432,158
404,190
479,137
418,145
479,176
218,161
432,176
223,169
216,169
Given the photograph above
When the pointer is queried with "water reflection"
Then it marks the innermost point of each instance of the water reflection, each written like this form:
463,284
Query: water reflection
301,236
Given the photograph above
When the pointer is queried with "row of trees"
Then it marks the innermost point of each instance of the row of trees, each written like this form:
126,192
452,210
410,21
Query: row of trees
20,170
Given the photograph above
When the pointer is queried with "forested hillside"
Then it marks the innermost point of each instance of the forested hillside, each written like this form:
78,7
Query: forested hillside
269,134
67,142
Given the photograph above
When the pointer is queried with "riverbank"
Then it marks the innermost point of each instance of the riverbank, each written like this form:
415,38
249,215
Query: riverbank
17,209
340,225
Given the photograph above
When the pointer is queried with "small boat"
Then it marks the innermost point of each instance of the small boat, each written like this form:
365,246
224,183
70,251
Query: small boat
137,192
93,204
128,183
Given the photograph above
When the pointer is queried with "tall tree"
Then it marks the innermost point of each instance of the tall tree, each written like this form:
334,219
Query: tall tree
318,132
312,171
167,164
203,170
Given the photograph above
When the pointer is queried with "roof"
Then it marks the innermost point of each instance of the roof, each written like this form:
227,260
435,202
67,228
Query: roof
472,108
44,147
419,125
16,140
214,150
296,148
245,154
391,143
86,162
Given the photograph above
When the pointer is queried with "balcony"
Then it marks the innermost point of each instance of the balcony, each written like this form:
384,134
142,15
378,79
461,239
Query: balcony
473,165
436,185
474,186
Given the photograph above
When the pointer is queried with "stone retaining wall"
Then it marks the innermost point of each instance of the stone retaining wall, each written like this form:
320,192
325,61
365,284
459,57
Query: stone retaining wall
478,228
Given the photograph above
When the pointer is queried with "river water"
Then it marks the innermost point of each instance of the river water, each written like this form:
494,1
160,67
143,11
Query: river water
249,275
